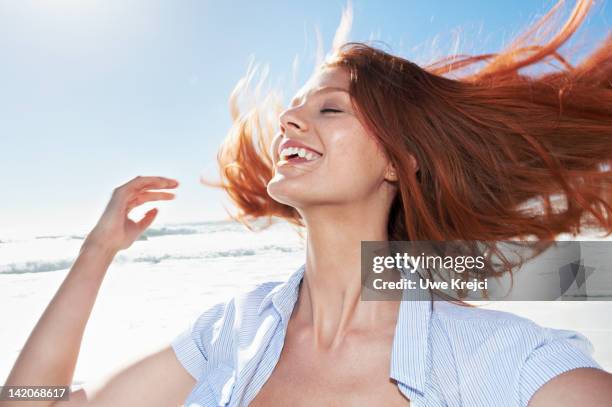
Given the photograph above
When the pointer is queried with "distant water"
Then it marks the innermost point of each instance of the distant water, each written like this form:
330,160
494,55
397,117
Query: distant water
185,241
215,242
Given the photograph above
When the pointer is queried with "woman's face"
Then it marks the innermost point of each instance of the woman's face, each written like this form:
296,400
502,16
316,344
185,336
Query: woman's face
345,167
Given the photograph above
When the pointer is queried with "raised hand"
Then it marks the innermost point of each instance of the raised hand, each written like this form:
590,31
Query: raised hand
115,231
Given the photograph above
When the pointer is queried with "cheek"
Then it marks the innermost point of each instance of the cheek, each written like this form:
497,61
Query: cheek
274,146
356,161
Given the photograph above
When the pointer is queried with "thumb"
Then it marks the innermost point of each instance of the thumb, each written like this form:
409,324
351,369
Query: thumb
147,219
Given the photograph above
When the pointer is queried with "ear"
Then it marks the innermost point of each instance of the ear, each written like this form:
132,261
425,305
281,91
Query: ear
391,173
414,163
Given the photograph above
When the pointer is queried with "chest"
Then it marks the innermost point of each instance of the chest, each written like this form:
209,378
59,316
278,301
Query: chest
356,374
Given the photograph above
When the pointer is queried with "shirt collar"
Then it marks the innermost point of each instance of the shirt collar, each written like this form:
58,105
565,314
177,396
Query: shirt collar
411,341
283,296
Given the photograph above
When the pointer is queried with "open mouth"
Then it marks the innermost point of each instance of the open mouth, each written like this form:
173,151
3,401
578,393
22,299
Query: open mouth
295,155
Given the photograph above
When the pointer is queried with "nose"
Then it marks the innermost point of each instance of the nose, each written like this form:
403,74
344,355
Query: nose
291,119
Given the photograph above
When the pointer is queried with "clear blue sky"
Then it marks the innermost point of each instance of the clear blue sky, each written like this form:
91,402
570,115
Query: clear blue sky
93,93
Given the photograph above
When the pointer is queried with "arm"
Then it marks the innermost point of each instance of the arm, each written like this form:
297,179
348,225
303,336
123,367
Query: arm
50,354
560,369
577,387
156,380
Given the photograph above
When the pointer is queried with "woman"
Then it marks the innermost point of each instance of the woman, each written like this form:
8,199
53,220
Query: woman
374,148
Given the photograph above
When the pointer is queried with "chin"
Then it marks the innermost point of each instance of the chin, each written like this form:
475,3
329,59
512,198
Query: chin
291,195
278,192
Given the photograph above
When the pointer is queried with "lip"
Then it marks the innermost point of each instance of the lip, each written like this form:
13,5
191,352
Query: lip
296,163
294,143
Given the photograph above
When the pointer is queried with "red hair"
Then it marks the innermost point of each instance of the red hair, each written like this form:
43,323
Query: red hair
489,144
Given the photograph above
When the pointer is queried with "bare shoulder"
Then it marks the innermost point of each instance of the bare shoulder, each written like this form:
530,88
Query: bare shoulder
580,387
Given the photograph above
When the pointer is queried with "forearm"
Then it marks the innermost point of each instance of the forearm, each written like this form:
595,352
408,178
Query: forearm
50,354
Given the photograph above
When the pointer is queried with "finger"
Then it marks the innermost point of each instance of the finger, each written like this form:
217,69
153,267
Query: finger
149,196
147,219
157,183
141,182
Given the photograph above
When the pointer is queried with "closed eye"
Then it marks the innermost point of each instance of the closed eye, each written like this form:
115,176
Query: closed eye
331,111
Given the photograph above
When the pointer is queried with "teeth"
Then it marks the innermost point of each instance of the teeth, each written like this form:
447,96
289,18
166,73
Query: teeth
301,152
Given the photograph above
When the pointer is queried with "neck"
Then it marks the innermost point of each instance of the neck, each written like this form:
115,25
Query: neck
329,303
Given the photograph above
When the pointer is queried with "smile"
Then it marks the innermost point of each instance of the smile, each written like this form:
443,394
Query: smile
295,155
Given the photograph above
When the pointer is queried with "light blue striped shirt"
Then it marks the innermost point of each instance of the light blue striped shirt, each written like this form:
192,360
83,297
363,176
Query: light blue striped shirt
449,356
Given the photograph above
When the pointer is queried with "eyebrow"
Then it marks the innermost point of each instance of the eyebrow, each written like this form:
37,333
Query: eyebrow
323,89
